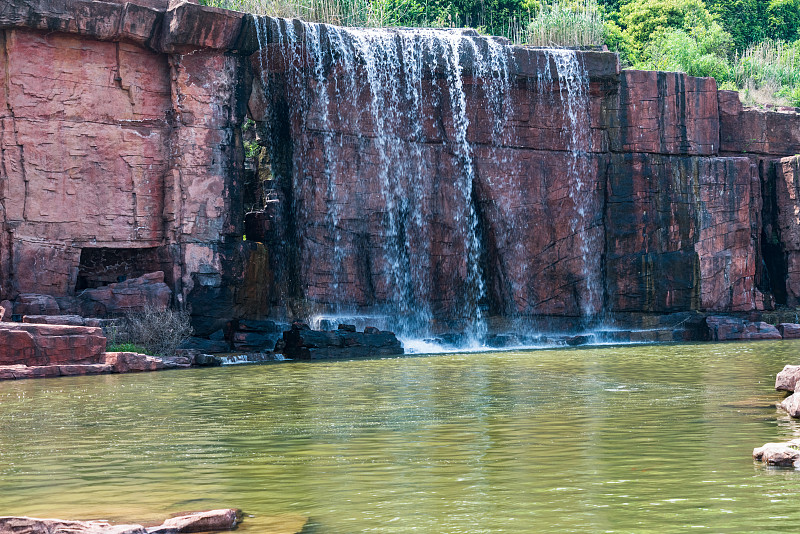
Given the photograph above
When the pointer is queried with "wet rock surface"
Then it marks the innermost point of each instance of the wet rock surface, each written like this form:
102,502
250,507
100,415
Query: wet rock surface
302,343
676,180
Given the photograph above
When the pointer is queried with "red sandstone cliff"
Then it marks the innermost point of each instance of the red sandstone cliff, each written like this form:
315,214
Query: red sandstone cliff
122,154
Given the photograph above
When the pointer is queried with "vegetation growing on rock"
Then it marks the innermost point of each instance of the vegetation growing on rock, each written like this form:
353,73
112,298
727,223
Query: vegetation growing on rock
748,45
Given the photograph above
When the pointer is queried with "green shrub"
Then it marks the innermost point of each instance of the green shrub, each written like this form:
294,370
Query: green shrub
647,21
697,53
126,347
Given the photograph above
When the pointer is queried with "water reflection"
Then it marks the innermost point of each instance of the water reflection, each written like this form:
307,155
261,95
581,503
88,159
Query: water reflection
606,439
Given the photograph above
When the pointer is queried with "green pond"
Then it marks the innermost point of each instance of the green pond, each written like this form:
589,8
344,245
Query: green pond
609,439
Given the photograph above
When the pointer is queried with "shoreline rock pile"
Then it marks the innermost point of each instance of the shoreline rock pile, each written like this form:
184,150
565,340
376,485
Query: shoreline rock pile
784,454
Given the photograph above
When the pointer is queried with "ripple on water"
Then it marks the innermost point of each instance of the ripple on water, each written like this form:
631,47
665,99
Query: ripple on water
615,439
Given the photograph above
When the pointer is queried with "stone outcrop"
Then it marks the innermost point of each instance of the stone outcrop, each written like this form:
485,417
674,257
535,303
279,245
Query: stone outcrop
30,344
120,141
791,405
787,201
122,156
778,454
138,294
789,330
732,329
30,525
302,343
209,521
787,379
33,350
212,520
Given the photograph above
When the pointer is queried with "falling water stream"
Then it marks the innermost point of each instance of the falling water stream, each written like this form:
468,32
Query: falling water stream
398,81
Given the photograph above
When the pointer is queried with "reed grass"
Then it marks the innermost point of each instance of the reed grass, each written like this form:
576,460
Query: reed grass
576,24
360,13
768,73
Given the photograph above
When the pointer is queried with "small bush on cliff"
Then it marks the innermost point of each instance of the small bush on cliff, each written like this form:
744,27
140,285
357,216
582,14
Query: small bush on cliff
152,331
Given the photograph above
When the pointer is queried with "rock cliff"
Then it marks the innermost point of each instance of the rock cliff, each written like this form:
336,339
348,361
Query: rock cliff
518,194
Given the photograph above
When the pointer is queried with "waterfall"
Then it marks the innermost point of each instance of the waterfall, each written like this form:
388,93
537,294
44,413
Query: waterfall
385,169
573,88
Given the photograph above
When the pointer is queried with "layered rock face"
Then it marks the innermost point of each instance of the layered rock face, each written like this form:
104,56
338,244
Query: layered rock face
121,151
430,175
631,192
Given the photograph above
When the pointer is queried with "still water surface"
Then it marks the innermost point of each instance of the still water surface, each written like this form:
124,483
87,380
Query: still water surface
612,439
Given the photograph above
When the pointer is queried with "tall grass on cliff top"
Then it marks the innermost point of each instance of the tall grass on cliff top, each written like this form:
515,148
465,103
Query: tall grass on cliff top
359,13
549,23
768,73
577,23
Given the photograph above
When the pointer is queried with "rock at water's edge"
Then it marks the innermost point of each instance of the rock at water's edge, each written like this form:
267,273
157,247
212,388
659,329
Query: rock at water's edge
31,525
777,454
791,405
787,378
212,520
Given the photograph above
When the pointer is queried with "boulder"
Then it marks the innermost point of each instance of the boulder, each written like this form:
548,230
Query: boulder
30,525
127,362
71,320
35,304
722,328
787,378
207,360
304,344
777,454
8,310
254,341
40,344
791,405
136,294
761,330
789,330
212,520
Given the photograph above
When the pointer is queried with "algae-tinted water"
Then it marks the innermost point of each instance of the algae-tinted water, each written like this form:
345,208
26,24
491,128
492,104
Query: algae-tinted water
618,439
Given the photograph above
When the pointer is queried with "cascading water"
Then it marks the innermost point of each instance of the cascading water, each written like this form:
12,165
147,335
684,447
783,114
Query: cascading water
573,89
395,106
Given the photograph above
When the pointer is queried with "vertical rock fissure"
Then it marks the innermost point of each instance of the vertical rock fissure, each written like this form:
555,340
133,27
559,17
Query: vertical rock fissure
774,268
